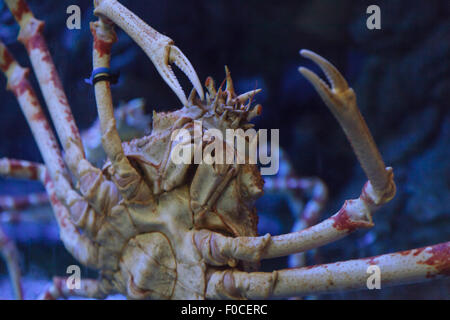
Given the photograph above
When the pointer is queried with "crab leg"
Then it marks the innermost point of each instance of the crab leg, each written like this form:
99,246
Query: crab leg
13,217
19,169
14,203
314,186
354,214
159,48
89,288
19,85
395,268
77,244
130,183
9,252
32,37
101,194
341,100
81,211
310,214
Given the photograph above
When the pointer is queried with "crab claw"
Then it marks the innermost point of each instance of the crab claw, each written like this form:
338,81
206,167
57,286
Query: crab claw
339,95
341,100
162,56
159,48
179,59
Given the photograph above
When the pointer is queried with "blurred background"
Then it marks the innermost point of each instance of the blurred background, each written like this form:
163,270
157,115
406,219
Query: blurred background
401,75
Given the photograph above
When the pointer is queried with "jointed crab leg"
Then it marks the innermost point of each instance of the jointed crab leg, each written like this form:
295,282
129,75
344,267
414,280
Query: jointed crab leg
353,215
20,170
81,211
99,193
77,244
395,268
9,252
311,213
159,48
19,85
31,36
341,100
130,183
314,186
14,203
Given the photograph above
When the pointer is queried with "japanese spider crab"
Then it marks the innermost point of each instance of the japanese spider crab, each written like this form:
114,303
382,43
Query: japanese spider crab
159,230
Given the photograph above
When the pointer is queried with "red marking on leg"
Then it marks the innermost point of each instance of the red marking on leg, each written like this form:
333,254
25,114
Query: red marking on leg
405,253
440,259
47,179
34,172
101,46
15,165
63,222
418,251
34,40
20,10
21,88
372,260
55,201
18,166
69,118
39,116
7,59
343,222
48,183
56,82
414,252
53,198
54,78
365,197
16,202
52,142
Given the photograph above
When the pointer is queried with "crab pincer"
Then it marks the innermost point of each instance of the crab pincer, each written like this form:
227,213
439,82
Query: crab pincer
341,100
336,97
158,47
